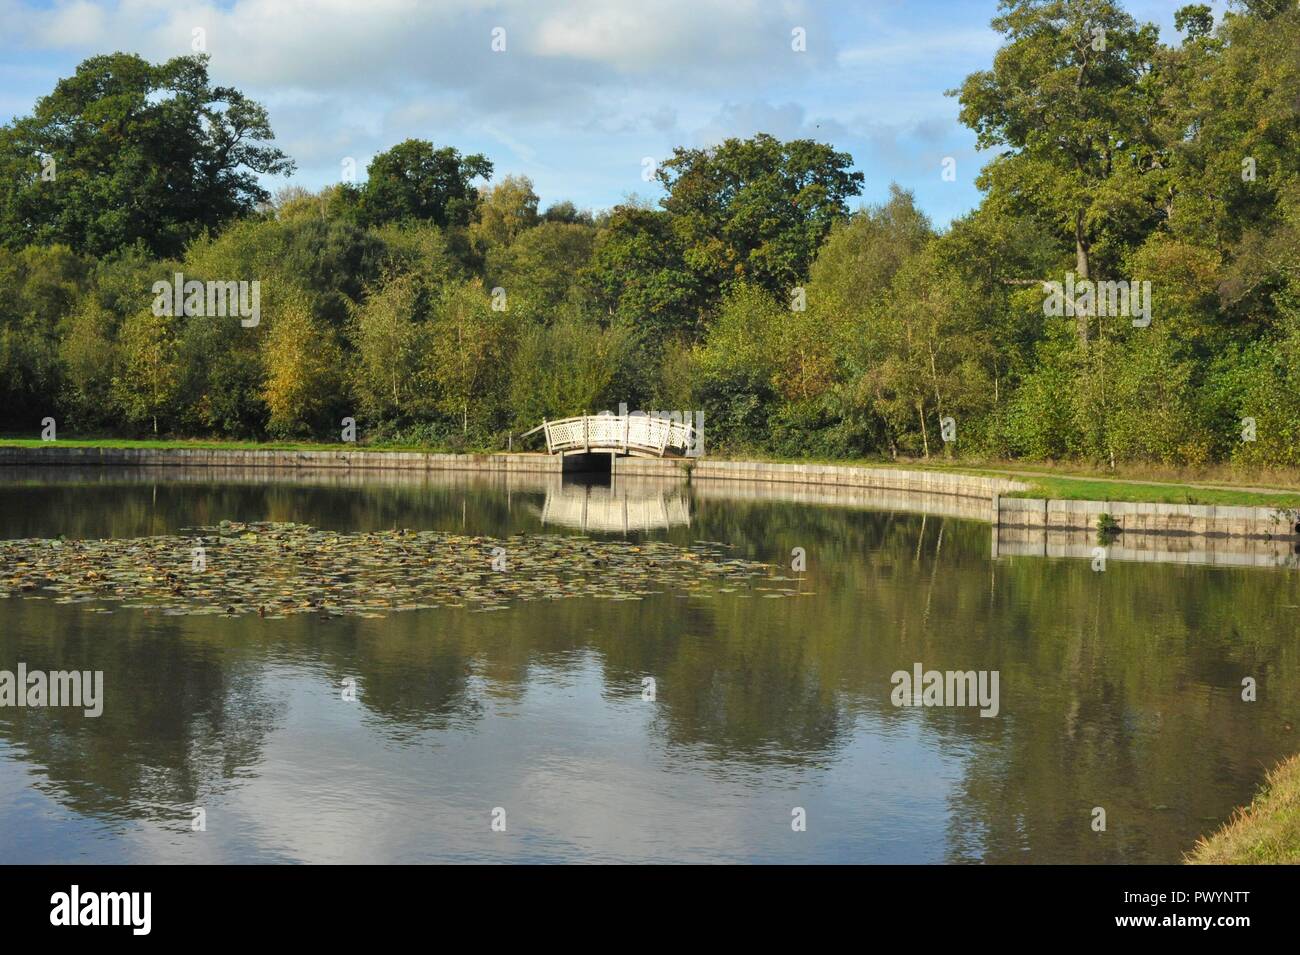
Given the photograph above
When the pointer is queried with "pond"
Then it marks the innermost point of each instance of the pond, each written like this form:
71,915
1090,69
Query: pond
676,716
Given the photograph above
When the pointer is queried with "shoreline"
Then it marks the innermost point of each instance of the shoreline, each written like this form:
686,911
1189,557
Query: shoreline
1027,520
1264,832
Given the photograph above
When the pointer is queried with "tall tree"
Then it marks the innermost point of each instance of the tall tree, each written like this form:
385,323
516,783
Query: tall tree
1072,98
303,370
756,209
149,378
638,272
507,209
127,151
466,348
413,180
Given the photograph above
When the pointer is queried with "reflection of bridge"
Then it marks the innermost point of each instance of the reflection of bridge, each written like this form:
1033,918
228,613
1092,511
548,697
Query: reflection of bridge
640,435
619,509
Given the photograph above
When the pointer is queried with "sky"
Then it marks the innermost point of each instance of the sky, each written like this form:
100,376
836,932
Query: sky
585,95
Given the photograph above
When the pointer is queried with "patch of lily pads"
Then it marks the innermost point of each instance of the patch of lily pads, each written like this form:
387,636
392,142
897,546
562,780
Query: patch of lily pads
277,569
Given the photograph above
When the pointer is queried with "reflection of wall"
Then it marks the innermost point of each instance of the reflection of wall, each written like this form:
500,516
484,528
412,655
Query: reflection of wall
940,505
1147,518
619,508
1153,548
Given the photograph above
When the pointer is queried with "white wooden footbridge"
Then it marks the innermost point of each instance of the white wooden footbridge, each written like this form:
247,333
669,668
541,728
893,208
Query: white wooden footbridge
638,435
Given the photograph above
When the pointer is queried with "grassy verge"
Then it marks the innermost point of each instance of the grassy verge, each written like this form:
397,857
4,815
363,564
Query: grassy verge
1263,833
1092,489
1138,485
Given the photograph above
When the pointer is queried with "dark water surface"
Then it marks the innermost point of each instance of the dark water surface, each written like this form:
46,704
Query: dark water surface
1119,689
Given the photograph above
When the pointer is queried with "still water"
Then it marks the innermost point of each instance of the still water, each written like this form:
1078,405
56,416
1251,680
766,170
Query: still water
1120,689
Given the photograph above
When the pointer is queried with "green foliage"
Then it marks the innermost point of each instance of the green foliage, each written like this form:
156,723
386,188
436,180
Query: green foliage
1071,95
87,352
467,344
303,371
507,210
542,263
415,181
148,379
1268,382
387,332
756,210
638,273
569,367
127,151
42,286
749,292
863,252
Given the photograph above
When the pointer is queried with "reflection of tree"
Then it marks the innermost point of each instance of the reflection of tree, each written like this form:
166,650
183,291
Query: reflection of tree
1128,698
110,502
181,718
413,670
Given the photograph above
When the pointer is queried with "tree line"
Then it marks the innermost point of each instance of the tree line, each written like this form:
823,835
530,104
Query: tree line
439,310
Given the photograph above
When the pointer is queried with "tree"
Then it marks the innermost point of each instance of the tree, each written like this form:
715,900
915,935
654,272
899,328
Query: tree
1234,123
222,378
859,258
566,211
413,180
735,370
566,368
757,209
933,359
542,263
1072,96
507,209
302,370
638,273
465,348
127,151
386,334
41,286
88,353
147,384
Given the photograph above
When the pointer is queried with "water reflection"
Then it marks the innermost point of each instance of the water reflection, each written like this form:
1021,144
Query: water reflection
1275,552
616,506
1119,689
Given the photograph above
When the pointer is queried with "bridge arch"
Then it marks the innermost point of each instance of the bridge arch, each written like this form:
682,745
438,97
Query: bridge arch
636,435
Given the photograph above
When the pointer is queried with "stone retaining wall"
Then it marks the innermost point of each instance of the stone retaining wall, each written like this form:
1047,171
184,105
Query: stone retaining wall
1002,511
882,479
235,457
1137,519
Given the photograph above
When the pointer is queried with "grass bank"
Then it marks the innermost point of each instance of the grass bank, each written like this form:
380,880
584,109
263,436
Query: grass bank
1137,484
1265,832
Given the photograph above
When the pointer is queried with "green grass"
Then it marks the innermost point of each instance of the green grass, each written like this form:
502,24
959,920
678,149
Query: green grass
1267,832
1061,484
1092,489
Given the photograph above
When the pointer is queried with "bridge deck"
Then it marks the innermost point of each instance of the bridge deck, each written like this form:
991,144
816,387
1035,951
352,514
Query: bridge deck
633,434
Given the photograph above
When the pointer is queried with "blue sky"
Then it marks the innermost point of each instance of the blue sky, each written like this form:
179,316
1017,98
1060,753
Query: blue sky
584,91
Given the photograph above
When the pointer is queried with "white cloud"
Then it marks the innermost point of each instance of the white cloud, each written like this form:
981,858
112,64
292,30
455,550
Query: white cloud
584,90
922,46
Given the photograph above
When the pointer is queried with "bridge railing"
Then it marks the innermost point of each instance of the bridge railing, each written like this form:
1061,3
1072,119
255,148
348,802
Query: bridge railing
627,434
